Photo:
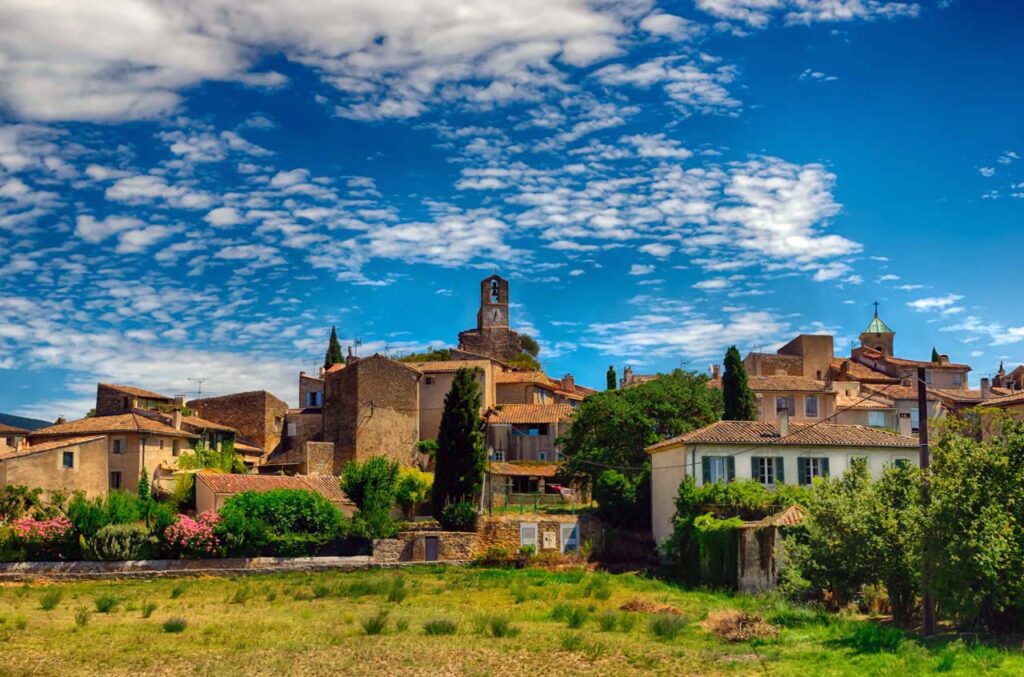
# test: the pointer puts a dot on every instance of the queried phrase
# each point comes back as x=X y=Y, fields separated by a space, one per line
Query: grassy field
x=445 y=622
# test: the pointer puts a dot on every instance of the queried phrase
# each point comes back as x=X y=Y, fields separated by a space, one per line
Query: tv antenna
x=199 y=386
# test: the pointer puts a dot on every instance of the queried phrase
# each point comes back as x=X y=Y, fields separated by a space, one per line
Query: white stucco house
x=768 y=452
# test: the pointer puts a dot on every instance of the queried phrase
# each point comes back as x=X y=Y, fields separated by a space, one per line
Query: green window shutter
x=801 y=471
x=780 y=470
x=730 y=468
x=705 y=466
x=824 y=467
x=755 y=468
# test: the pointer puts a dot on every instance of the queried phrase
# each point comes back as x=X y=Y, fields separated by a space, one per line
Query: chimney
x=568 y=383
x=943 y=359
x=986 y=389
x=179 y=402
x=783 y=423
x=176 y=419
x=627 y=375
x=716 y=371
x=350 y=358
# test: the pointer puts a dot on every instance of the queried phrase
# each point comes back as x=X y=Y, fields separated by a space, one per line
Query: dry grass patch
x=646 y=606
x=739 y=626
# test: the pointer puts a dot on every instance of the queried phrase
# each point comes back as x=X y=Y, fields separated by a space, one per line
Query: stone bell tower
x=492 y=336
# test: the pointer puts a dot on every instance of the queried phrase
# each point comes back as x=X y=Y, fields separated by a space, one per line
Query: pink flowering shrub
x=49 y=539
x=189 y=537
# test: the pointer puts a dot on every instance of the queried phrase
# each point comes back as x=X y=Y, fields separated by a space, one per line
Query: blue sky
x=202 y=194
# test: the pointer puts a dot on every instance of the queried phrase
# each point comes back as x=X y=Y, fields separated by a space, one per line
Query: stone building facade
x=437 y=382
x=68 y=465
x=371 y=408
x=118 y=399
x=258 y=416
x=492 y=336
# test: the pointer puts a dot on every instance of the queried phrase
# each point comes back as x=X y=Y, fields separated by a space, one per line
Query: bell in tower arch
x=494 y=291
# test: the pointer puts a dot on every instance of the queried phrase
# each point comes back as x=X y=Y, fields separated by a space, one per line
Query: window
x=809 y=468
x=314 y=399
x=161 y=445
x=528 y=535
x=785 y=403
x=542 y=456
x=876 y=419
x=175 y=448
x=117 y=445
x=570 y=538
x=915 y=421
x=115 y=480
x=278 y=422
x=429 y=380
x=768 y=470
x=718 y=469
x=292 y=429
x=811 y=406
x=928 y=376
x=902 y=462
x=958 y=378
x=539 y=429
x=69 y=459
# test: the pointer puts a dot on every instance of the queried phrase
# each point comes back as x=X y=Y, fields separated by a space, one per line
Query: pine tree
x=334 y=355
x=935 y=356
x=611 y=378
x=145 y=496
x=740 y=404
x=461 y=455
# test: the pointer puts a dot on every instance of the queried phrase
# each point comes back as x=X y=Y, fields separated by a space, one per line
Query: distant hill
x=22 y=422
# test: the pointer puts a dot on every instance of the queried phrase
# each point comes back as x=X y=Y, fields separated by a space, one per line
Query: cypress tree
x=461 y=454
x=610 y=377
x=740 y=404
x=333 y=355
x=935 y=356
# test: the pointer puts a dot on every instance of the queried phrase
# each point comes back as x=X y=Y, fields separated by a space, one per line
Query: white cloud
x=641 y=269
x=713 y=284
x=759 y=13
x=222 y=217
x=141 y=189
x=657 y=249
x=137 y=241
x=690 y=87
x=817 y=76
x=657 y=146
x=669 y=25
x=93 y=231
x=131 y=59
x=987 y=172
x=933 y=303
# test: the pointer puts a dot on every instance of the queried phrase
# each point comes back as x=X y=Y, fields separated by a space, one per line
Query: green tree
x=413 y=489
x=935 y=356
x=333 y=355
x=145 y=497
x=529 y=345
x=372 y=486
x=740 y=404
x=611 y=378
x=461 y=455
x=611 y=429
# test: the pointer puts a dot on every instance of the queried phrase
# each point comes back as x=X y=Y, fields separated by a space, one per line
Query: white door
x=528 y=534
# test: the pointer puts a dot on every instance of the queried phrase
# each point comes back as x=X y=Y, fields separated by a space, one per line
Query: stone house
x=11 y=438
x=437 y=382
x=311 y=390
x=67 y=464
x=802 y=399
x=807 y=355
x=213 y=489
x=527 y=432
x=119 y=399
x=631 y=379
x=371 y=408
x=768 y=453
x=258 y=416
x=506 y=482
x=133 y=442
x=536 y=387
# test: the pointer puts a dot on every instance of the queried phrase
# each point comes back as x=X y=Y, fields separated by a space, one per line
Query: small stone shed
x=760 y=552
x=213 y=489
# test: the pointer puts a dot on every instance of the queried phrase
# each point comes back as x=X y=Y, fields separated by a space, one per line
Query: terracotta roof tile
x=531 y=413
x=445 y=366
x=779 y=384
x=524 y=469
x=119 y=423
x=897 y=392
x=858 y=402
x=222 y=483
x=49 y=446
x=1005 y=400
x=534 y=377
x=859 y=372
x=137 y=392
x=11 y=430
x=758 y=433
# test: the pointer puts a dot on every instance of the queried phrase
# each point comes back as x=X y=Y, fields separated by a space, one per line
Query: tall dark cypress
x=461 y=454
x=333 y=355
x=935 y=356
x=610 y=378
x=740 y=404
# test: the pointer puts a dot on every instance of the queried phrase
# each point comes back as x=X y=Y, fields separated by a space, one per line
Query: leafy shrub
x=119 y=542
x=189 y=537
x=496 y=555
x=242 y=594
x=527 y=551
x=44 y=540
x=576 y=617
x=413 y=489
x=871 y=637
x=81 y=617
x=402 y=624
x=627 y=622
x=667 y=626
x=49 y=600
x=458 y=517
x=175 y=625
x=440 y=626
x=718 y=549
x=375 y=624
x=397 y=591
x=177 y=591
x=572 y=641
x=148 y=608
x=106 y=603
x=288 y=522
x=17 y=501
x=372 y=486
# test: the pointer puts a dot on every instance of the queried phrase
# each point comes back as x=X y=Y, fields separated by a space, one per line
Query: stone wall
x=371 y=408
x=410 y=546
x=258 y=416
x=816 y=352
x=45 y=469
x=499 y=343
x=767 y=364
x=503 y=531
x=760 y=557
x=310 y=384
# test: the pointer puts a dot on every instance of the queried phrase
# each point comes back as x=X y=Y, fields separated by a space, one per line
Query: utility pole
x=928 y=600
